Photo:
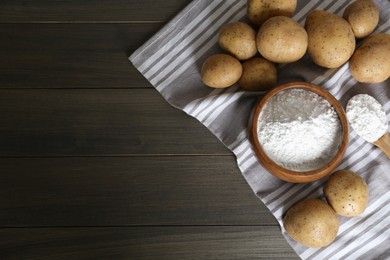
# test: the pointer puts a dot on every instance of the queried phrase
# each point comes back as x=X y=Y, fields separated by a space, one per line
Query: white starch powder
x=367 y=117
x=299 y=130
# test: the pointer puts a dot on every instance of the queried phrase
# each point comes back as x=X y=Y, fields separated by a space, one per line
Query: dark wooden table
x=94 y=163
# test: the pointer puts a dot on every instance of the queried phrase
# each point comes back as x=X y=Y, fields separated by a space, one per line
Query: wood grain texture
x=186 y=190
x=250 y=242
x=98 y=122
x=28 y=11
x=71 y=55
x=94 y=164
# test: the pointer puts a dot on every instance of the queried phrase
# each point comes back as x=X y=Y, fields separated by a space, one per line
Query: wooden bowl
x=295 y=176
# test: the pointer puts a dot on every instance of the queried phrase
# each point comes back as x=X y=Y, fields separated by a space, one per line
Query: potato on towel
x=347 y=193
x=363 y=16
x=258 y=75
x=312 y=223
x=282 y=40
x=221 y=71
x=331 y=39
x=239 y=39
x=259 y=11
x=371 y=61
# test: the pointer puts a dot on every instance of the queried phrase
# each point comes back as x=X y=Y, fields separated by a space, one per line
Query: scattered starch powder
x=299 y=130
x=367 y=117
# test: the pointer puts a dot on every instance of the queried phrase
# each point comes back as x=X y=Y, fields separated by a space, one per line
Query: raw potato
x=259 y=11
x=347 y=193
x=239 y=39
x=331 y=40
x=371 y=63
x=221 y=71
x=258 y=74
x=312 y=223
x=282 y=40
x=363 y=16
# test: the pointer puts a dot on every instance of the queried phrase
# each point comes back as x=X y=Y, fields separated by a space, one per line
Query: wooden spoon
x=384 y=143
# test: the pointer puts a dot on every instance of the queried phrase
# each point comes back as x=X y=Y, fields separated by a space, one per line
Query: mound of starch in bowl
x=299 y=130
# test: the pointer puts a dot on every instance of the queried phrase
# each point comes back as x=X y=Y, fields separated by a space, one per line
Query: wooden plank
x=250 y=242
x=89 y=11
x=119 y=191
x=75 y=122
x=71 y=55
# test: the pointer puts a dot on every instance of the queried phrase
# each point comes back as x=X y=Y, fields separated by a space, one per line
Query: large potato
x=259 y=11
x=371 y=63
x=312 y=223
x=331 y=40
x=239 y=39
x=258 y=74
x=282 y=40
x=363 y=16
x=221 y=71
x=347 y=193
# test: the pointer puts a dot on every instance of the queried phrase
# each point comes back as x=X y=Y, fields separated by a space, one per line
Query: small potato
x=239 y=39
x=347 y=193
x=370 y=63
x=312 y=223
x=331 y=40
x=258 y=74
x=282 y=40
x=221 y=71
x=259 y=11
x=363 y=16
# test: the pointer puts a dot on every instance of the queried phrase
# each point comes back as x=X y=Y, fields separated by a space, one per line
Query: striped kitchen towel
x=171 y=62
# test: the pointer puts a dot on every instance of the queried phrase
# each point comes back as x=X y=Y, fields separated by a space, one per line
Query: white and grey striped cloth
x=171 y=62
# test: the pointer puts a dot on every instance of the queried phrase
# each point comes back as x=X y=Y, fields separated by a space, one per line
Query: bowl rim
x=290 y=175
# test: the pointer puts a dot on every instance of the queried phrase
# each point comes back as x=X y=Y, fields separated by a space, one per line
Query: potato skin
x=363 y=16
x=312 y=223
x=221 y=71
x=331 y=39
x=370 y=63
x=258 y=74
x=347 y=193
x=282 y=40
x=259 y=11
x=239 y=39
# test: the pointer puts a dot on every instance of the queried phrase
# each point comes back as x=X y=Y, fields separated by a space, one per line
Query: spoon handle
x=384 y=144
